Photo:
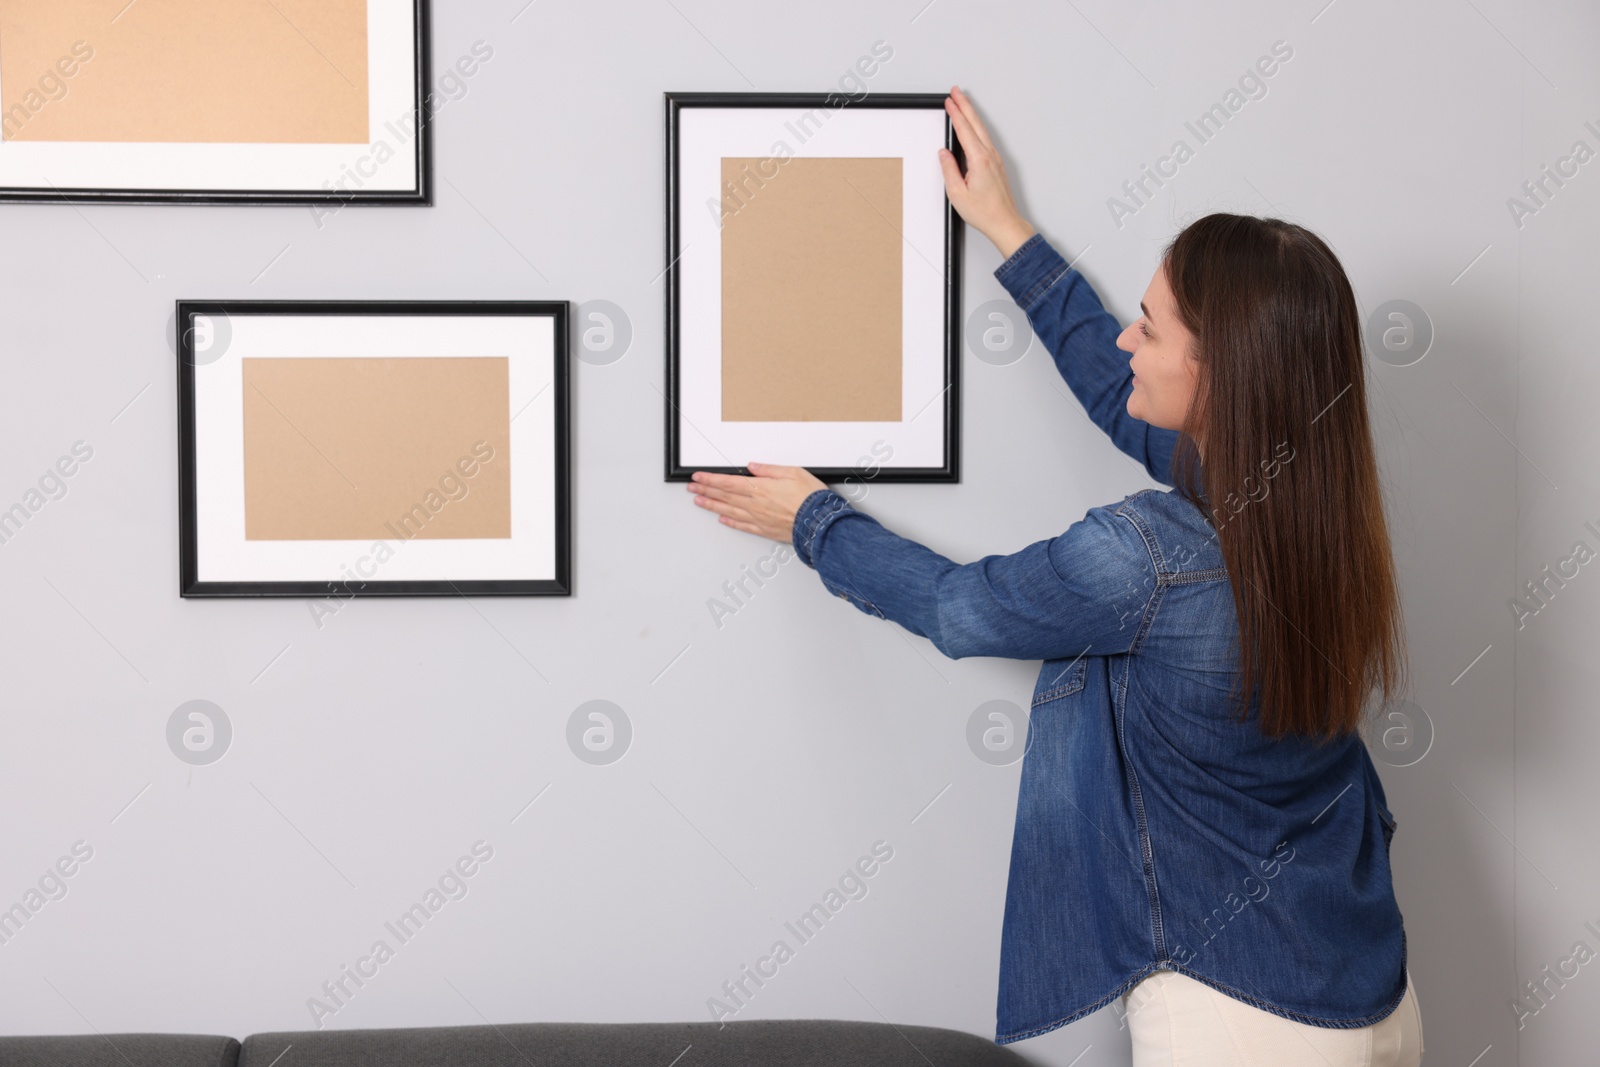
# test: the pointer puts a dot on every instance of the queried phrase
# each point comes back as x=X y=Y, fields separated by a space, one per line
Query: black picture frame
x=421 y=196
x=190 y=586
x=949 y=470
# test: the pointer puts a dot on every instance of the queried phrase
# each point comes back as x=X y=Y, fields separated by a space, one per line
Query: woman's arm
x=1063 y=308
x=1084 y=592
x=1081 y=336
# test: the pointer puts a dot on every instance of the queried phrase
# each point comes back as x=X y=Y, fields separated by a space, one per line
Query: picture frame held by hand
x=812 y=286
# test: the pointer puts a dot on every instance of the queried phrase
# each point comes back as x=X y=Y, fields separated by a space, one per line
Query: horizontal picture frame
x=813 y=286
x=194 y=101
x=373 y=448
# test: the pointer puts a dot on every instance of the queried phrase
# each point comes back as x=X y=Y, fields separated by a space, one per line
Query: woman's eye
x=1143 y=328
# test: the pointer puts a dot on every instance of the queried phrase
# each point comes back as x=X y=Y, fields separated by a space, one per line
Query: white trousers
x=1179 y=1022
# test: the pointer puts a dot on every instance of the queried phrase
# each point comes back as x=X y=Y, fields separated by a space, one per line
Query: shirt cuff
x=1032 y=269
x=817 y=512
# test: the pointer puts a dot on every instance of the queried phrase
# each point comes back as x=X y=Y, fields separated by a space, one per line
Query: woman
x=1211 y=857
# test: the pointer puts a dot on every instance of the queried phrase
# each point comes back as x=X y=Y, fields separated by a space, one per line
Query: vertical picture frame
x=813 y=286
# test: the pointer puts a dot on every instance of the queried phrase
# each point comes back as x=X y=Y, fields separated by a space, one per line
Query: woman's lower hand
x=764 y=502
x=982 y=197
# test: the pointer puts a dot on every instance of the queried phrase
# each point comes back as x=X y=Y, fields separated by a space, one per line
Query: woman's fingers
x=732 y=513
x=970 y=113
x=978 y=193
x=774 y=470
x=722 y=483
x=728 y=494
x=954 y=183
x=719 y=497
x=721 y=503
x=970 y=141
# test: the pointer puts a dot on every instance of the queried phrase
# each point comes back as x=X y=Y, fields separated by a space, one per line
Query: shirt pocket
x=1060 y=678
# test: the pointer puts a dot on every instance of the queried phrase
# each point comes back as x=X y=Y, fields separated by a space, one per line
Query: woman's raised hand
x=983 y=196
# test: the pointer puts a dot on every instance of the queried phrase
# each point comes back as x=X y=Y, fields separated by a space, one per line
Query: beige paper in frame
x=706 y=136
x=811 y=289
x=365 y=448
x=190 y=71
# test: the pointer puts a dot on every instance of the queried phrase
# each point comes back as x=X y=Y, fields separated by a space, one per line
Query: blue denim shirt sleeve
x=1085 y=591
x=1081 y=335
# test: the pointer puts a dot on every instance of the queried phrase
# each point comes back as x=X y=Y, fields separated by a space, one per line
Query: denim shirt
x=1153 y=830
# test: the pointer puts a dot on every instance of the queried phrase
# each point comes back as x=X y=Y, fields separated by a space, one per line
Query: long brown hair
x=1289 y=478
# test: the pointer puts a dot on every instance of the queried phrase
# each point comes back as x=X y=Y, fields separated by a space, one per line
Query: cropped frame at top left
x=186 y=101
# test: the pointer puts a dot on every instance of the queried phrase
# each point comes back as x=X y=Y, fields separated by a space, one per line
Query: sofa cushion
x=119 y=1050
x=763 y=1042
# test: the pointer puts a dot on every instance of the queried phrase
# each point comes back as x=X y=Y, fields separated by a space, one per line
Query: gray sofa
x=771 y=1043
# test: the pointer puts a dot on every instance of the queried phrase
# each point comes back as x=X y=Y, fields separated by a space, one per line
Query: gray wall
x=771 y=752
